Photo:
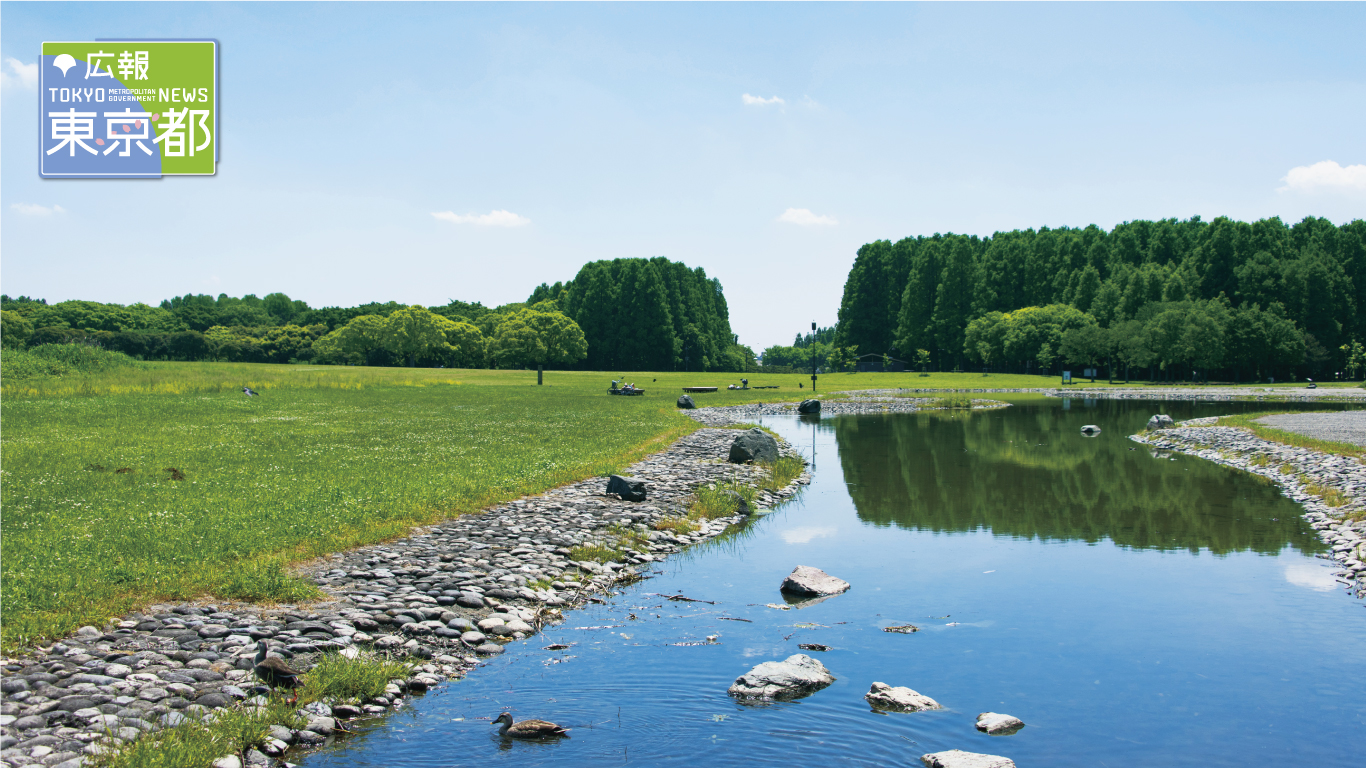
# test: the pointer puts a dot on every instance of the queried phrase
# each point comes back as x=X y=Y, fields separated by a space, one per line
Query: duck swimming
x=527 y=729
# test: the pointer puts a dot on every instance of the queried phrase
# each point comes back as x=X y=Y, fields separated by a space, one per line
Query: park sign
x=128 y=109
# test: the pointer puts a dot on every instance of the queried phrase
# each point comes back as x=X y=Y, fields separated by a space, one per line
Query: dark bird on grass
x=527 y=729
x=249 y=393
x=273 y=671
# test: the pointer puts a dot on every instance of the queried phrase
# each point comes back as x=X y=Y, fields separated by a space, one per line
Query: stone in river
x=686 y=402
x=805 y=580
x=957 y=758
x=794 y=677
x=1160 y=421
x=1090 y=430
x=628 y=488
x=754 y=445
x=998 y=724
x=489 y=649
x=898 y=699
x=809 y=406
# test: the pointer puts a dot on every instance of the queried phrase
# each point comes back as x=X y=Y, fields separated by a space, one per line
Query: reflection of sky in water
x=805 y=534
x=1316 y=577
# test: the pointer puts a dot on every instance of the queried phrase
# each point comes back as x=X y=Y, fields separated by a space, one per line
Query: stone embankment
x=1216 y=394
x=871 y=401
x=442 y=598
x=1080 y=390
x=1331 y=488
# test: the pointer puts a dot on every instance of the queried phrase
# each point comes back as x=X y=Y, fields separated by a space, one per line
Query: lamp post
x=813 y=357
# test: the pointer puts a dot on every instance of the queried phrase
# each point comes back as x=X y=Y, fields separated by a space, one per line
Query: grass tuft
x=267 y=581
x=595 y=552
x=337 y=678
x=200 y=740
x=951 y=402
x=1330 y=495
x=783 y=471
x=675 y=525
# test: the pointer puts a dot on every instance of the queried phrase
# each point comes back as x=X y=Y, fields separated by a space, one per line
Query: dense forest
x=1175 y=299
x=650 y=315
x=628 y=314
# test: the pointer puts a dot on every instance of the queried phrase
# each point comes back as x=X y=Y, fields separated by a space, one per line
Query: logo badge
x=128 y=109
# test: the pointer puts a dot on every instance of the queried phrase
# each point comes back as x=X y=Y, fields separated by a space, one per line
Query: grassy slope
x=327 y=458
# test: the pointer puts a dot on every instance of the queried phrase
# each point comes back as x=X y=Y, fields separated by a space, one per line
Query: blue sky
x=548 y=135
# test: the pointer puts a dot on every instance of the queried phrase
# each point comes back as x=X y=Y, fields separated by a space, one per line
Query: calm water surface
x=1132 y=609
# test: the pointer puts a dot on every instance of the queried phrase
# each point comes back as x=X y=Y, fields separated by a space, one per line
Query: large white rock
x=957 y=758
x=900 y=698
x=998 y=724
x=796 y=676
x=805 y=580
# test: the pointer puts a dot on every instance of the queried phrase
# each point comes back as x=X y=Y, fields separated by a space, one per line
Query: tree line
x=1224 y=298
x=649 y=315
x=627 y=314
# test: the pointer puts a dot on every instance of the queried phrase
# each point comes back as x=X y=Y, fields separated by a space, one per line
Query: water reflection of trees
x=1028 y=472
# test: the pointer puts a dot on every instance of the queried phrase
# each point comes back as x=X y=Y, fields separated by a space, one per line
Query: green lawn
x=325 y=459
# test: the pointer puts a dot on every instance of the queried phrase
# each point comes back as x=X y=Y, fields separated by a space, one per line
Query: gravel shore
x=1344 y=427
x=1331 y=488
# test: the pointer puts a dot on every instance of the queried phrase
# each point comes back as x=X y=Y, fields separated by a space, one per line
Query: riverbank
x=1331 y=488
x=442 y=597
x=1123 y=392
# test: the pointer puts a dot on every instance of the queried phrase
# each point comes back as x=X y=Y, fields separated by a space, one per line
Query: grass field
x=164 y=481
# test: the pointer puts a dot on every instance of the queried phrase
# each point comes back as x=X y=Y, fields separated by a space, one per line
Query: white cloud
x=805 y=218
x=19 y=74
x=1314 y=577
x=760 y=100
x=31 y=209
x=1326 y=176
x=491 y=219
x=805 y=534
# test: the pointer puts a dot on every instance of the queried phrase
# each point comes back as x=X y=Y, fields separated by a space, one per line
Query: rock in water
x=805 y=580
x=754 y=445
x=899 y=699
x=809 y=406
x=796 y=676
x=957 y=758
x=1160 y=421
x=686 y=402
x=628 y=488
x=1090 y=430
x=997 y=724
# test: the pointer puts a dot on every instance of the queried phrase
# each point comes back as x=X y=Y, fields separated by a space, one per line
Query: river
x=1133 y=609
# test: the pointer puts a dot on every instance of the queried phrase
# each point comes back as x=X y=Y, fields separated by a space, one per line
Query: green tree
x=412 y=332
x=14 y=329
x=1086 y=345
x=529 y=338
x=1355 y=355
